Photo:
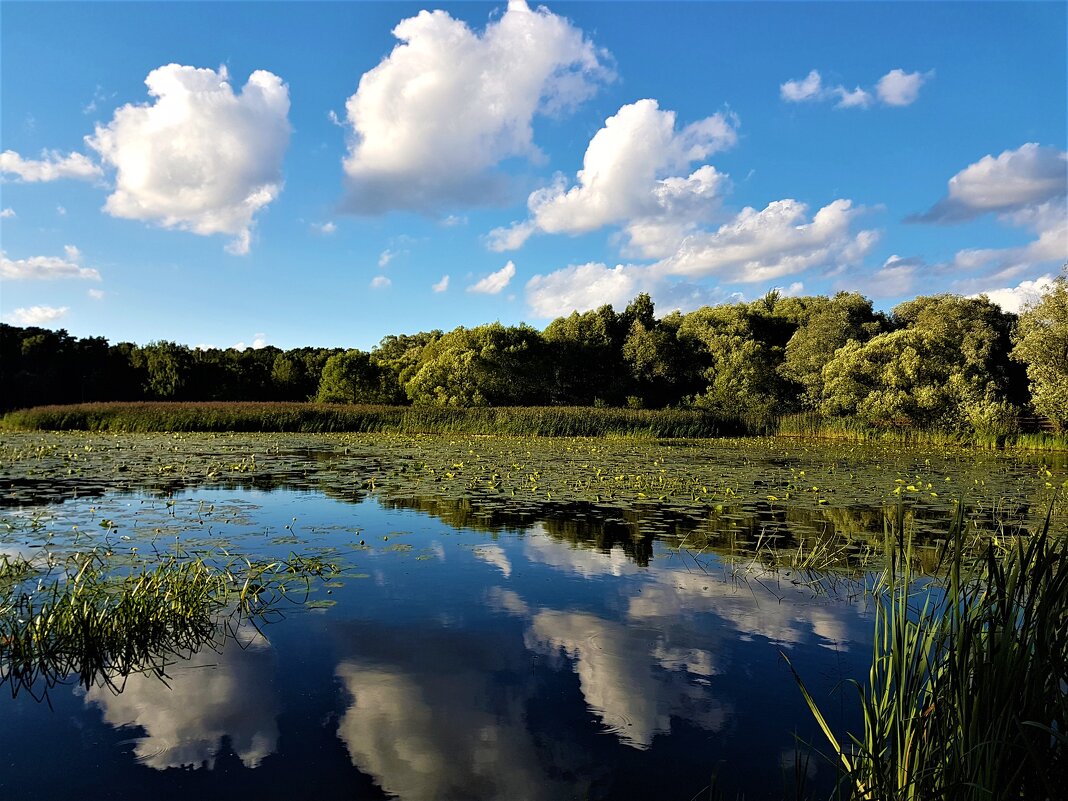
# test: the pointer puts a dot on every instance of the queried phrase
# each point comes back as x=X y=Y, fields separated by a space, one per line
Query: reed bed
x=967 y=697
x=90 y=618
x=550 y=421
x=814 y=426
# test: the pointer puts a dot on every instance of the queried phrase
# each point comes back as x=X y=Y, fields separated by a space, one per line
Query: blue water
x=454 y=664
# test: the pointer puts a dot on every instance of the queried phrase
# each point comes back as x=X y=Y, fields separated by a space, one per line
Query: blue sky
x=309 y=173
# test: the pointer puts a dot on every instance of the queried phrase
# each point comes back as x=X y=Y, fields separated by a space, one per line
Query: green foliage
x=1041 y=343
x=965 y=698
x=315 y=417
x=491 y=365
x=936 y=362
x=354 y=377
x=948 y=356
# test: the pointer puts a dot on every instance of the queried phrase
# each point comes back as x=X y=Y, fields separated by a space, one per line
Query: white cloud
x=61 y=211
x=448 y=104
x=493 y=283
x=37 y=315
x=198 y=158
x=1013 y=181
x=798 y=91
x=385 y=257
x=441 y=285
x=7 y=213
x=755 y=246
x=96 y=294
x=626 y=173
x=582 y=287
x=45 y=268
x=52 y=166
x=380 y=282
x=510 y=237
x=1013 y=299
x=626 y=178
x=772 y=243
x=259 y=340
x=893 y=280
x=900 y=88
x=896 y=88
x=453 y=220
x=858 y=98
x=325 y=228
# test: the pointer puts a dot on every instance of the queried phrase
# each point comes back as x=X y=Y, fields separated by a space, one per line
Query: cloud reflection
x=212 y=696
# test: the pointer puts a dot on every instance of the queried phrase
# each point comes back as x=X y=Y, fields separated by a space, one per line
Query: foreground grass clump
x=967 y=697
x=324 y=417
x=100 y=623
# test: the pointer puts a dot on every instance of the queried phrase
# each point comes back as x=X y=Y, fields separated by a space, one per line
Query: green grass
x=322 y=417
x=846 y=429
x=966 y=698
x=91 y=617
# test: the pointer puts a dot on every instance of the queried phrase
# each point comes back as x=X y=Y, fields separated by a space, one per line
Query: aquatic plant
x=95 y=619
x=966 y=697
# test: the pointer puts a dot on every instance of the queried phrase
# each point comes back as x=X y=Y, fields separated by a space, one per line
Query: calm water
x=453 y=664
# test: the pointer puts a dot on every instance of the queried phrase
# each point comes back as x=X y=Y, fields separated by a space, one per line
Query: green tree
x=354 y=377
x=826 y=325
x=1041 y=343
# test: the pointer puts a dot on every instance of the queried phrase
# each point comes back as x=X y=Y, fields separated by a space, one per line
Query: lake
x=504 y=624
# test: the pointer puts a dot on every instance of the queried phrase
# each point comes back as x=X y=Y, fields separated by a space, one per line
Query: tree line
x=941 y=361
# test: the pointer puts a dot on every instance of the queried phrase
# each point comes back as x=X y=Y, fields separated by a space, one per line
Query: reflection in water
x=495 y=555
x=623 y=677
x=577 y=559
x=758 y=603
x=212 y=696
x=431 y=718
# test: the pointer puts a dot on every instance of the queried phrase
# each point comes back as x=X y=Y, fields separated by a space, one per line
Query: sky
x=329 y=173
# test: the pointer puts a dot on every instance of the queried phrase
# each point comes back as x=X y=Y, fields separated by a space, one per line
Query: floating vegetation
x=92 y=617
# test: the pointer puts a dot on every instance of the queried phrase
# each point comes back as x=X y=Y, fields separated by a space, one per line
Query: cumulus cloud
x=1011 y=182
x=96 y=294
x=385 y=257
x=900 y=88
x=627 y=178
x=52 y=166
x=494 y=283
x=581 y=287
x=7 y=213
x=772 y=243
x=381 y=282
x=1026 y=188
x=441 y=285
x=432 y=120
x=198 y=158
x=1014 y=298
x=896 y=88
x=325 y=228
x=37 y=315
x=755 y=246
x=46 y=268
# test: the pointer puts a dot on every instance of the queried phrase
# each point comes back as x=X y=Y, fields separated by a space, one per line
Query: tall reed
x=966 y=697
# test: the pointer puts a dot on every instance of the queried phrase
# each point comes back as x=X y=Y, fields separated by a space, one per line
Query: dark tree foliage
x=941 y=360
